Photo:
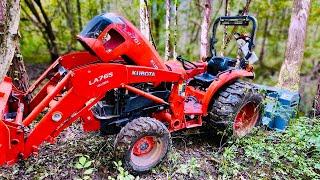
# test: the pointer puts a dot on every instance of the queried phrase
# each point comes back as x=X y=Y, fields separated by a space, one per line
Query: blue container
x=281 y=106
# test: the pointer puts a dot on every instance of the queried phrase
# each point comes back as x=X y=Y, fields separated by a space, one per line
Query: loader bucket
x=4 y=142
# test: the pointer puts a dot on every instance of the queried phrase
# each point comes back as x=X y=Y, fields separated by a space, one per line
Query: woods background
x=48 y=29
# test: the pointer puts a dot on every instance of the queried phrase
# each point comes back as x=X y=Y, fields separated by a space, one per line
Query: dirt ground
x=190 y=158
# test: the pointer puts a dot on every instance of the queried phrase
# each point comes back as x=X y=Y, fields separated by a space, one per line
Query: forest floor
x=195 y=154
x=190 y=157
x=264 y=154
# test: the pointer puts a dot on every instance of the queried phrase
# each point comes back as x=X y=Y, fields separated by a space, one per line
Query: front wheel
x=142 y=144
x=236 y=109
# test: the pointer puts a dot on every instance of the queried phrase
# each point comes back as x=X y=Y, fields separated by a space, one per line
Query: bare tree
x=183 y=23
x=17 y=71
x=79 y=15
x=10 y=56
x=42 y=21
x=316 y=104
x=66 y=7
x=9 y=17
x=156 y=21
x=264 y=41
x=167 y=28
x=144 y=19
x=175 y=38
x=308 y=88
x=205 y=29
x=2 y=17
x=102 y=6
x=289 y=77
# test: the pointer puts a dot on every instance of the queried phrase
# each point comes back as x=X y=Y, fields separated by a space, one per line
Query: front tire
x=142 y=144
x=236 y=109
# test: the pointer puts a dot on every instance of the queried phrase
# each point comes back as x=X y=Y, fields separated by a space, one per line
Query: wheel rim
x=246 y=119
x=143 y=146
x=147 y=151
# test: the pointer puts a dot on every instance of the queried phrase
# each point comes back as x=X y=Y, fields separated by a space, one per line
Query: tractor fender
x=222 y=80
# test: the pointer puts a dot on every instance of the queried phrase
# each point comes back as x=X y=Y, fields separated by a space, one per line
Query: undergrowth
x=293 y=154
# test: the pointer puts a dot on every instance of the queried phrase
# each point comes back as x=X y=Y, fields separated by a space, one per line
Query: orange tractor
x=120 y=85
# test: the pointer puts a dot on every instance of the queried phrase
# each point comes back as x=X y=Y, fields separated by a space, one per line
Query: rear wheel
x=142 y=144
x=236 y=109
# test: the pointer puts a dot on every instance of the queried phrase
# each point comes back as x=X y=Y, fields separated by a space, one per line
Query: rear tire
x=142 y=144
x=236 y=109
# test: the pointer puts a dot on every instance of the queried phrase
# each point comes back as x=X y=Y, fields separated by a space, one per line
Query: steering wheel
x=187 y=65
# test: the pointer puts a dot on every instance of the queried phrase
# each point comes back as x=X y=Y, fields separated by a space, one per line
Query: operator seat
x=215 y=66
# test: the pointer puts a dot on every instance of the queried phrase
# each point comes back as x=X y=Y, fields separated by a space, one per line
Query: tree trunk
x=225 y=29
x=264 y=41
x=184 y=25
x=70 y=20
x=2 y=17
x=205 y=29
x=156 y=21
x=175 y=26
x=68 y=12
x=79 y=15
x=11 y=59
x=42 y=21
x=102 y=10
x=144 y=19
x=18 y=73
x=167 y=28
x=9 y=18
x=316 y=104
x=49 y=30
x=289 y=77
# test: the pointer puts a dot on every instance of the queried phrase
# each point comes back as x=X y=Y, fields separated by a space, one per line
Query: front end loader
x=120 y=85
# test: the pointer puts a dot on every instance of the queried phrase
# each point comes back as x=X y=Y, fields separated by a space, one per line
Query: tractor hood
x=91 y=36
x=98 y=24
x=112 y=37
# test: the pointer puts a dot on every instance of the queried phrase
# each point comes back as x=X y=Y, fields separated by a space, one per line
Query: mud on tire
x=142 y=144
x=236 y=103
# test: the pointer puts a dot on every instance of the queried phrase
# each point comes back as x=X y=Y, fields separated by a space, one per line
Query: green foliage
x=123 y=174
x=84 y=164
x=191 y=168
x=178 y=167
x=266 y=154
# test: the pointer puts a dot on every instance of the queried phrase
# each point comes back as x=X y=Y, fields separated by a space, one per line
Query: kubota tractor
x=120 y=85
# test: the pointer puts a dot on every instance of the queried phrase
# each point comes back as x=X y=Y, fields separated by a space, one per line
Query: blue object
x=281 y=106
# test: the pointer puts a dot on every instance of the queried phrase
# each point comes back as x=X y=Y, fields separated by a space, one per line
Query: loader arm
x=71 y=97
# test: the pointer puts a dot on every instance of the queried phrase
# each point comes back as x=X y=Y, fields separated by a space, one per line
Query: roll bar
x=233 y=21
